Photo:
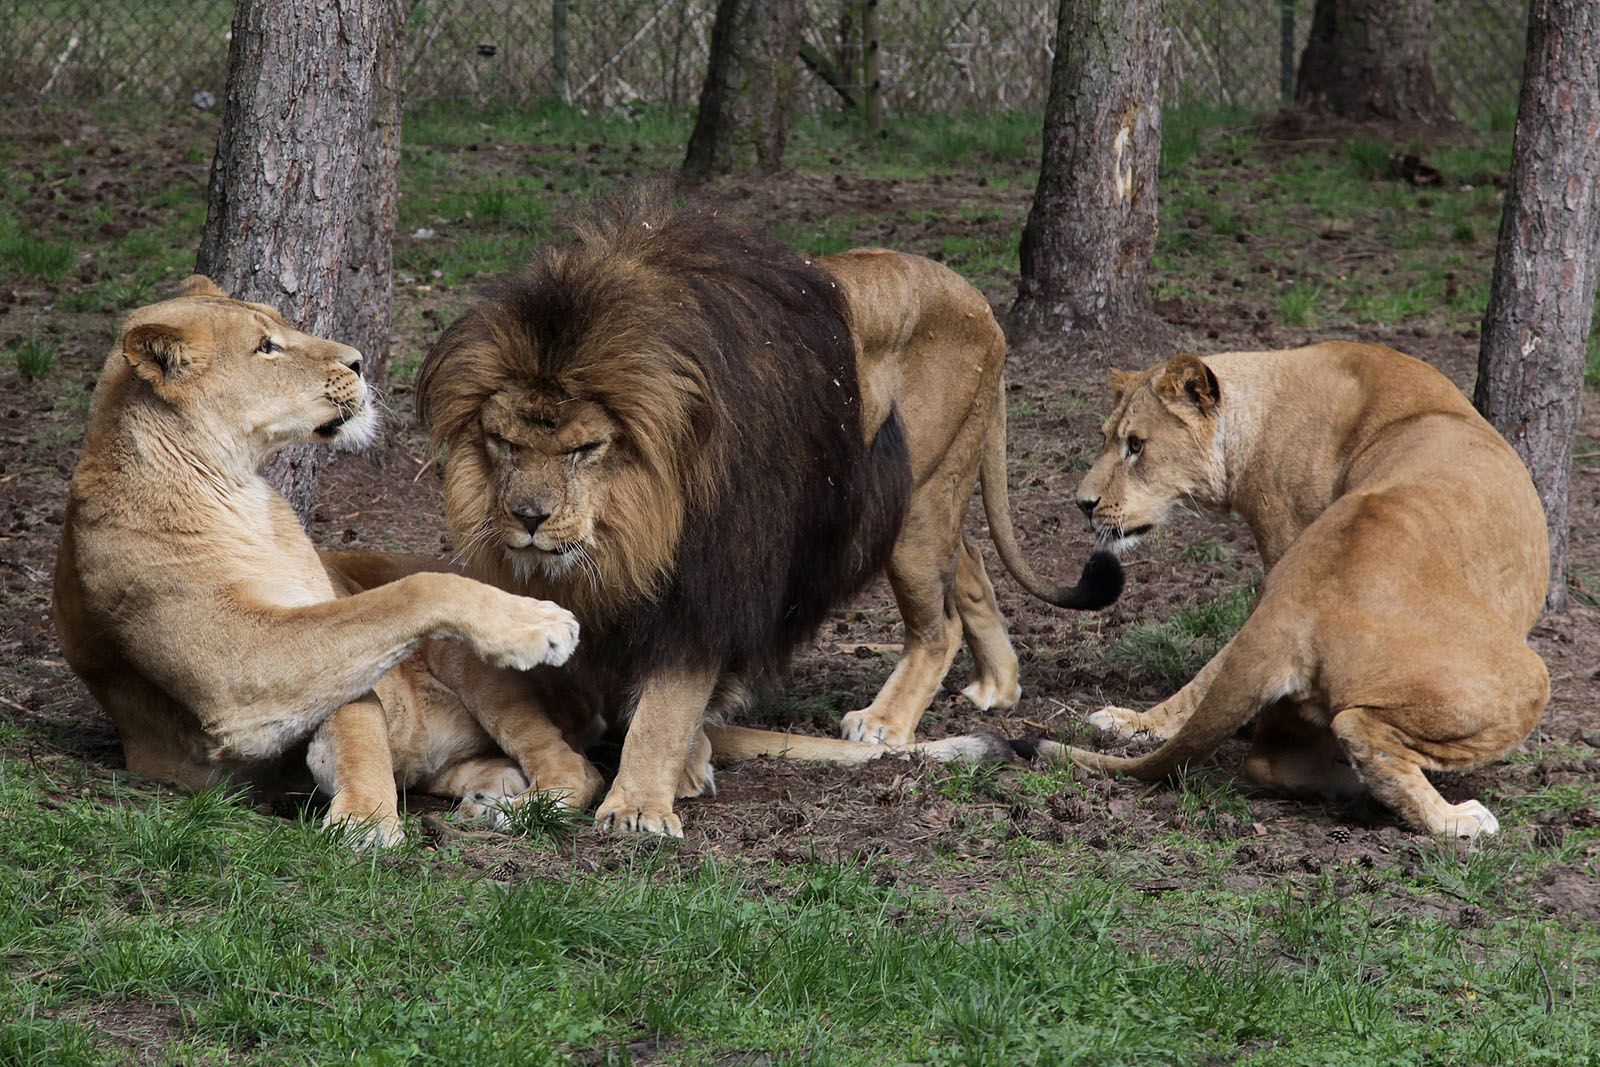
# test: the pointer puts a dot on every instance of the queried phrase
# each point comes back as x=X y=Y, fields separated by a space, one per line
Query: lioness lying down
x=196 y=610
x=1406 y=559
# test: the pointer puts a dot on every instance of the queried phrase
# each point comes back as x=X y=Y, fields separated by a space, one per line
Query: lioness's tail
x=1240 y=685
x=739 y=742
x=1101 y=581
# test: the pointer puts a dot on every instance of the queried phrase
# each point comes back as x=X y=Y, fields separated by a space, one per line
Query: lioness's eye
x=268 y=346
x=1135 y=445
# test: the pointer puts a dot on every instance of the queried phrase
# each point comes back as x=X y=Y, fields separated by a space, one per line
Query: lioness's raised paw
x=623 y=815
x=868 y=728
x=532 y=632
x=1128 y=724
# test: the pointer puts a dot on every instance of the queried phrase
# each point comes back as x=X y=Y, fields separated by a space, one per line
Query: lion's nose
x=1088 y=506
x=531 y=516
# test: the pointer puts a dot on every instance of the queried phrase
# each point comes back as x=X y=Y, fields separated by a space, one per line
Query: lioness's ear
x=1120 y=381
x=163 y=354
x=200 y=285
x=1187 y=378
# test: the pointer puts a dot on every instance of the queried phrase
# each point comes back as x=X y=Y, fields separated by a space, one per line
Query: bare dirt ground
x=769 y=813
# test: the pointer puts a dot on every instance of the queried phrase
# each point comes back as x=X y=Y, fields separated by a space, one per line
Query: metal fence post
x=558 y=50
x=870 y=54
x=1286 y=52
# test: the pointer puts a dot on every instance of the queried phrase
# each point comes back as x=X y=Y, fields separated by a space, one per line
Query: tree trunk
x=1367 y=60
x=1090 y=234
x=1541 y=300
x=301 y=207
x=743 y=119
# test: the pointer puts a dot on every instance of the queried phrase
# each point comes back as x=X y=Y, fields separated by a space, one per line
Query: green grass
x=1175 y=648
x=34 y=357
x=235 y=936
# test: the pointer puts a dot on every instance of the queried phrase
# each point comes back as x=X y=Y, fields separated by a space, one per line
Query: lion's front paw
x=1467 y=820
x=533 y=632
x=1128 y=724
x=869 y=728
x=623 y=814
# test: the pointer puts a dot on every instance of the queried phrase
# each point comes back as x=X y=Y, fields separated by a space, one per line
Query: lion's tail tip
x=1036 y=748
x=1099 y=586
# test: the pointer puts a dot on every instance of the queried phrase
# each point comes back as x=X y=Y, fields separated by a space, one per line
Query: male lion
x=196 y=610
x=1406 y=557
x=700 y=444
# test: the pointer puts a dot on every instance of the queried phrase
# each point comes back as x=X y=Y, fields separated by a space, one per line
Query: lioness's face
x=1159 y=452
x=234 y=364
x=549 y=465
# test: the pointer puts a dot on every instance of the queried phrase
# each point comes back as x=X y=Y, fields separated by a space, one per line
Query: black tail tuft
x=1098 y=587
x=1025 y=747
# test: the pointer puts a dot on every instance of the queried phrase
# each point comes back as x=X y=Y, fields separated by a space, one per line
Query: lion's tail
x=740 y=742
x=1101 y=581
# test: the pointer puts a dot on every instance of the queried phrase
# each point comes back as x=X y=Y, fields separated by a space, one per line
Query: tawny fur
x=1406 y=555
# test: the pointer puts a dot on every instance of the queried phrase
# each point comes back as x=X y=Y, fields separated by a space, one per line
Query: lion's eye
x=500 y=445
x=268 y=346
x=1135 y=445
x=585 y=451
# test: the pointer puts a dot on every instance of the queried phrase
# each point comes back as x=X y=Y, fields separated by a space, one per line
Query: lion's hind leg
x=994 y=660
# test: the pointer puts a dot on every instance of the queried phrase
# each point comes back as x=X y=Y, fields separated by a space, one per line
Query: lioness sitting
x=1406 y=557
x=702 y=444
x=196 y=610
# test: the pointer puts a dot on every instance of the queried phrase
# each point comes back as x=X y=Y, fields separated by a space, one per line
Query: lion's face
x=1161 y=450
x=549 y=467
x=231 y=363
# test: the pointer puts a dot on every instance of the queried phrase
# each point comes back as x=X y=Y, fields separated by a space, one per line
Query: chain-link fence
x=971 y=56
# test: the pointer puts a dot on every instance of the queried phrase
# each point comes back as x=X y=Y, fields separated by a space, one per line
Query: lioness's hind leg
x=1392 y=770
x=994 y=662
x=1295 y=752
x=483 y=784
x=923 y=580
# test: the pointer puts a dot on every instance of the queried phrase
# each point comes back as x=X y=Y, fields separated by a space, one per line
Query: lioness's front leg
x=1162 y=721
x=665 y=722
x=278 y=673
x=350 y=760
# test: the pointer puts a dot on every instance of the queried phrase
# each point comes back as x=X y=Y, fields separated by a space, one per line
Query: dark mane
x=728 y=361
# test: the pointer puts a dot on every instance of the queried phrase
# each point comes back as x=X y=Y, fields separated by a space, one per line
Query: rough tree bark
x=743 y=119
x=1090 y=234
x=1367 y=60
x=1541 y=299
x=301 y=208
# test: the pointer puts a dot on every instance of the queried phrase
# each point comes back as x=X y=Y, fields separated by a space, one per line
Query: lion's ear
x=1119 y=380
x=200 y=285
x=1187 y=379
x=165 y=353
